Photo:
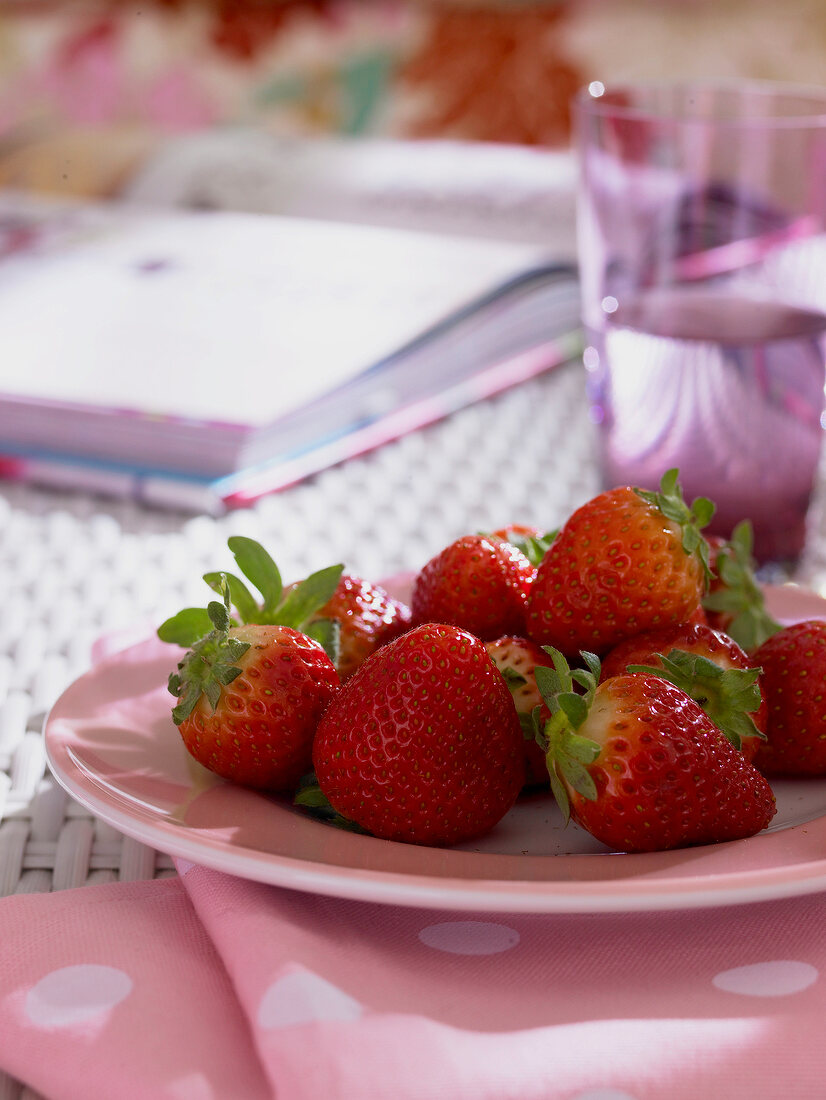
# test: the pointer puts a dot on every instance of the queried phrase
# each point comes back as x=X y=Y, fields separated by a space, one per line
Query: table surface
x=74 y=568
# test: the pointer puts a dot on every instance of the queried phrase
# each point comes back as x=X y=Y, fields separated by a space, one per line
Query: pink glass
x=702 y=244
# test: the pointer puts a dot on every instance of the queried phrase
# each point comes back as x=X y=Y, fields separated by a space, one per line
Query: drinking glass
x=701 y=225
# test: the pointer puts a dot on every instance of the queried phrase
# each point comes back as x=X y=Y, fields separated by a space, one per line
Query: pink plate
x=112 y=744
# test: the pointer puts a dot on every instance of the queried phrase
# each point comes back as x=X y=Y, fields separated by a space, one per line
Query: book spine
x=178 y=494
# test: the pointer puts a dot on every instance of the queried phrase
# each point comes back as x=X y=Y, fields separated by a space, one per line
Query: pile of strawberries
x=625 y=662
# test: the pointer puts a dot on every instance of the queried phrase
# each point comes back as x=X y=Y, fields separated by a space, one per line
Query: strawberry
x=707 y=665
x=367 y=618
x=734 y=602
x=422 y=744
x=516 y=658
x=626 y=561
x=250 y=698
x=477 y=583
x=639 y=765
x=794 y=685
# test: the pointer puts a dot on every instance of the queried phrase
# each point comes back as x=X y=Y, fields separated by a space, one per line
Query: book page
x=224 y=317
x=477 y=189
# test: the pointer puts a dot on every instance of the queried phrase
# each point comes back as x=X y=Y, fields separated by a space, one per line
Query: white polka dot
x=75 y=994
x=767 y=979
x=603 y=1094
x=302 y=997
x=469 y=937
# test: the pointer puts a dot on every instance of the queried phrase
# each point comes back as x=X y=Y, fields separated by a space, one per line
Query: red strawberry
x=734 y=602
x=477 y=583
x=794 y=686
x=638 y=764
x=422 y=744
x=249 y=700
x=625 y=562
x=368 y=618
x=701 y=667
x=517 y=658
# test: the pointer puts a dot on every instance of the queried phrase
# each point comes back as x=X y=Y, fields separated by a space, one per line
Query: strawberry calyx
x=311 y=798
x=516 y=680
x=209 y=665
x=512 y=677
x=294 y=608
x=567 y=753
x=739 y=595
x=728 y=696
x=690 y=519
x=533 y=546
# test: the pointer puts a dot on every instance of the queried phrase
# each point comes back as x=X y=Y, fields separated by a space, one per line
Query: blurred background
x=89 y=89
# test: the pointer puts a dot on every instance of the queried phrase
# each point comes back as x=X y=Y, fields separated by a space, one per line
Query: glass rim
x=595 y=99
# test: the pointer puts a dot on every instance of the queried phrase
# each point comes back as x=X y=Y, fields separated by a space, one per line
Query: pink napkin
x=207 y=987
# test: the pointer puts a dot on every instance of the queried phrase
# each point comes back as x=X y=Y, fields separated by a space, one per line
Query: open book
x=202 y=359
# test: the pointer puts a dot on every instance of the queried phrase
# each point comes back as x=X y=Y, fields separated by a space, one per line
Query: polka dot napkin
x=207 y=987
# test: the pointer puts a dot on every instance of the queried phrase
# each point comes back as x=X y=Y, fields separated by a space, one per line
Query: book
x=200 y=359
x=477 y=189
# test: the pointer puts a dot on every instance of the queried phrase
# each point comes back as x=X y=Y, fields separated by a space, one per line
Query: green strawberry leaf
x=740 y=596
x=550 y=685
x=259 y=568
x=558 y=789
x=728 y=696
x=537 y=546
x=311 y=798
x=297 y=609
x=327 y=632
x=187 y=696
x=703 y=510
x=528 y=725
x=186 y=627
x=309 y=596
x=219 y=613
x=577 y=776
x=669 y=500
x=511 y=677
x=581 y=748
x=574 y=706
x=538 y=727
x=212 y=688
x=592 y=663
x=310 y=794
x=534 y=547
x=560 y=664
x=566 y=752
